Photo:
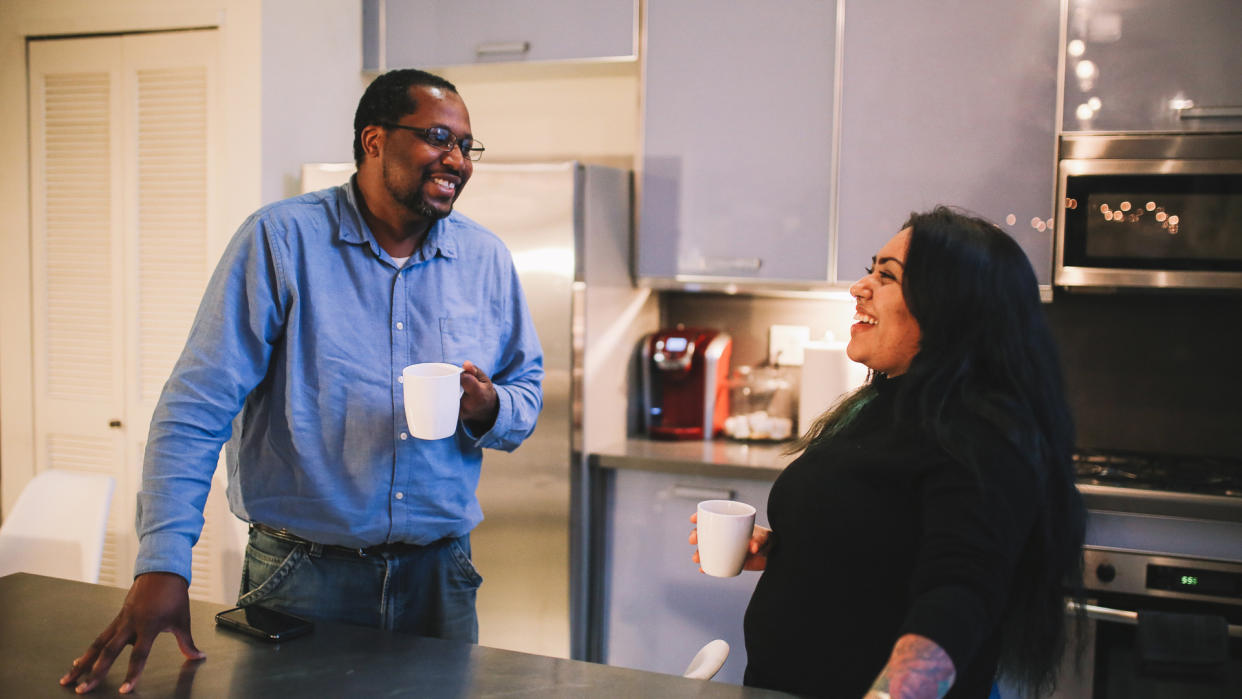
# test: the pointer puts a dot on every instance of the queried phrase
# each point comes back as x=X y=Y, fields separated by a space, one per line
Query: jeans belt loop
x=316 y=550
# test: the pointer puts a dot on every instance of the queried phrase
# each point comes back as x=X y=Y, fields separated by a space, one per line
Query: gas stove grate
x=1168 y=472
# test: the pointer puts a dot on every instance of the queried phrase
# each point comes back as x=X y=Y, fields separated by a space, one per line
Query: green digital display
x=1196 y=581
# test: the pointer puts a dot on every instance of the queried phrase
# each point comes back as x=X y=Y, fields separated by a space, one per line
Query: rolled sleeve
x=164 y=552
x=515 y=419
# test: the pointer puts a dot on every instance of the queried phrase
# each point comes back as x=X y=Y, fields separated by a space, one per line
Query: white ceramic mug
x=724 y=529
x=432 y=399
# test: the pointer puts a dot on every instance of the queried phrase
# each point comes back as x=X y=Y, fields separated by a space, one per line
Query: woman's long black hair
x=987 y=357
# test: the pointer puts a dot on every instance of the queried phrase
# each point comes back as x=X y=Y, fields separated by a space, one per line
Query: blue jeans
x=428 y=590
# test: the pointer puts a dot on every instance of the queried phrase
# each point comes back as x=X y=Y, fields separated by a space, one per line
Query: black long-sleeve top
x=879 y=533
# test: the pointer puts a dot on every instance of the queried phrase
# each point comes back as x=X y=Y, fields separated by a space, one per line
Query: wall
x=521 y=112
x=747 y=318
x=238 y=23
x=296 y=107
x=1153 y=372
x=312 y=79
x=549 y=112
x=1143 y=372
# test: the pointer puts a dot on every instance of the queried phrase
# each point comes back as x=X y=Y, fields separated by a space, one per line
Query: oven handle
x=1123 y=616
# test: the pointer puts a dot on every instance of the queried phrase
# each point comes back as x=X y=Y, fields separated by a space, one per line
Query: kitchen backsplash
x=1143 y=372
x=747 y=318
x=1158 y=372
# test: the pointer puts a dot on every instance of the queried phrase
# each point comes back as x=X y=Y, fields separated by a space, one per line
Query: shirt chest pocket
x=461 y=339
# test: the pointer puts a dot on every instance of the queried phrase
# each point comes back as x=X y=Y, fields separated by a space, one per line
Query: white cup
x=724 y=529
x=432 y=399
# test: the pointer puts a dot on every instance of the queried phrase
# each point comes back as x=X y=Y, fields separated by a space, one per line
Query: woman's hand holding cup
x=755 y=556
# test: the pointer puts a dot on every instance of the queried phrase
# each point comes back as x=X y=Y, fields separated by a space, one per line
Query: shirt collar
x=354 y=228
x=440 y=240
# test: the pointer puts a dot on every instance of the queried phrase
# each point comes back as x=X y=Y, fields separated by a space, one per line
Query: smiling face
x=885 y=336
x=418 y=176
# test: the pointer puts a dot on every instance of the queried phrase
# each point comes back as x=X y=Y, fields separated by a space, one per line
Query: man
x=316 y=306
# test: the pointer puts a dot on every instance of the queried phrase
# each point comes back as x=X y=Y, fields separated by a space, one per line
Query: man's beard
x=412 y=199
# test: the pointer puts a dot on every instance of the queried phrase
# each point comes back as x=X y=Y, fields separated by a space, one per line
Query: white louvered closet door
x=79 y=293
x=123 y=137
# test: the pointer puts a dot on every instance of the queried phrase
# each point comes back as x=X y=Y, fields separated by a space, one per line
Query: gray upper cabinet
x=737 y=140
x=951 y=103
x=420 y=33
x=1153 y=65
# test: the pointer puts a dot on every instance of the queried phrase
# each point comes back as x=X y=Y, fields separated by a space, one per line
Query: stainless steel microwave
x=1158 y=211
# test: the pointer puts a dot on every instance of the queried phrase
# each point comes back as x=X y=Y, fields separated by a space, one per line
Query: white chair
x=707 y=661
x=57 y=526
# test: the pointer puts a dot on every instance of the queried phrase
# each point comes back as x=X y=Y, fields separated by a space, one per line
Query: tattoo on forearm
x=917 y=669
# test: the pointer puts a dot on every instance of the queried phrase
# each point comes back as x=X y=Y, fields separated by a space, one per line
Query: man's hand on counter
x=157 y=602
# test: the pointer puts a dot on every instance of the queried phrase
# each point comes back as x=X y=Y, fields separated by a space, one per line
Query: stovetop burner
x=1168 y=472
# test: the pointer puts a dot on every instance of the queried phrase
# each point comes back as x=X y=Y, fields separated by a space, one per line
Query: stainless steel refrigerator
x=568 y=226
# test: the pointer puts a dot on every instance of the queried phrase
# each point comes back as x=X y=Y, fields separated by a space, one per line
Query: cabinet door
x=951 y=103
x=658 y=608
x=422 y=33
x=737 y=139
x=1153 y=65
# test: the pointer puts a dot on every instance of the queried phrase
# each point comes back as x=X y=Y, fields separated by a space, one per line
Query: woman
x=921 y=544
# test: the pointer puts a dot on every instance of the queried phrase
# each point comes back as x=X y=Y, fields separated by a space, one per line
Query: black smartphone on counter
x=264 y=623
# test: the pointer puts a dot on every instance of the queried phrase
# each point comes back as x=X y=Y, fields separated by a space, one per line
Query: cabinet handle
x=732 y=264
x=1210 y=113
x=114 y=424
x=697 y=494
x=501 y=48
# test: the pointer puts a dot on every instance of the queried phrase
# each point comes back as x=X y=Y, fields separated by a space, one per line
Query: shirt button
x=400 y=496
x=400 y=325
x=401 y=379
x=403 y=435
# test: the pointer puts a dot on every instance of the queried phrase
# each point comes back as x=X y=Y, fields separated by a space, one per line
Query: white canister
x=827 y=374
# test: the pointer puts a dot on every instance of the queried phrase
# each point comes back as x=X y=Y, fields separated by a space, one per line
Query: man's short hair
x=388 y=98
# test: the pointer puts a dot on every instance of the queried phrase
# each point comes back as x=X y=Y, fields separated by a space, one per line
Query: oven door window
x=1189 y=222
x=1121 y=671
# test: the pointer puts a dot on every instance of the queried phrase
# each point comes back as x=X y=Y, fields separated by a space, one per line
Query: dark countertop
x=727 y=458
x=724 y=458
x=47 y=622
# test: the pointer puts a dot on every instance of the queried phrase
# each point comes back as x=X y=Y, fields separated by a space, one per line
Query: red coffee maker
x=685 y=387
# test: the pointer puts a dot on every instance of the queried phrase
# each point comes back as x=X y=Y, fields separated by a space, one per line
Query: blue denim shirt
x=302 y=334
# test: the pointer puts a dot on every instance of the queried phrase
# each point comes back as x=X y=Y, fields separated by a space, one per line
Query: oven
x=1158 y=627
x=1162 y=579
x=1150 y=211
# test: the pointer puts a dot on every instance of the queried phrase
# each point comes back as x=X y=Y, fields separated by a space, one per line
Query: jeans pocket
x=464 y=565
x=263 y=572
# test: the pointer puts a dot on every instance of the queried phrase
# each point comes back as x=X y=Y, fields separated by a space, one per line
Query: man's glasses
x=445 y=140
